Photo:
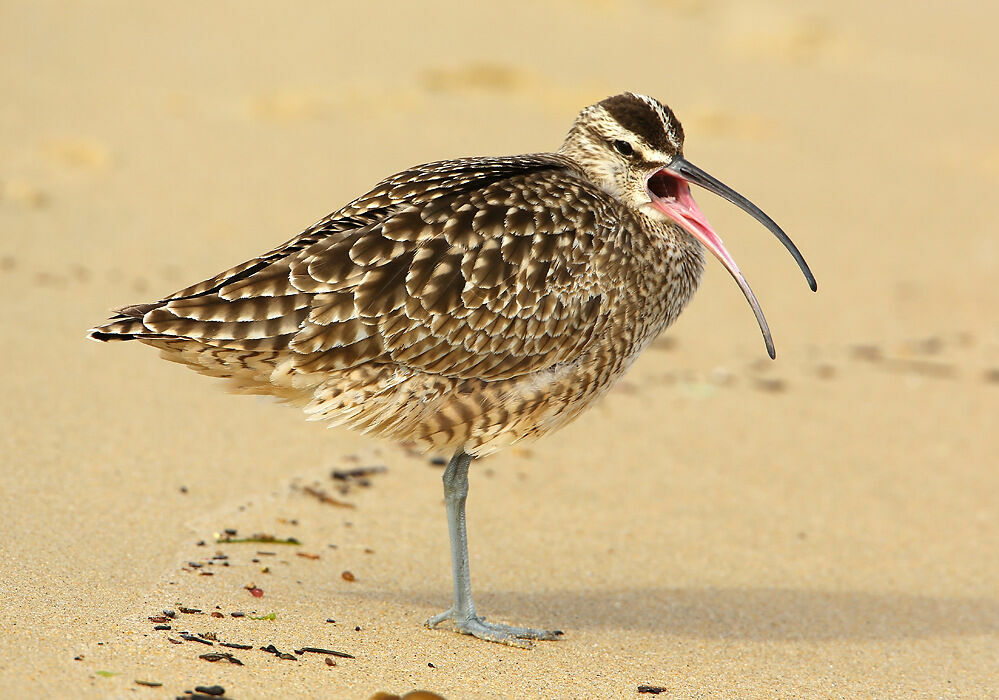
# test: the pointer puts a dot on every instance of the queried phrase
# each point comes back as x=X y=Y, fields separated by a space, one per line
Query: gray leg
x=462 y=612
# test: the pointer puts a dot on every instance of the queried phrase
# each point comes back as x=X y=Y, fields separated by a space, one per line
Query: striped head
x=621 y=141
x=631 y=146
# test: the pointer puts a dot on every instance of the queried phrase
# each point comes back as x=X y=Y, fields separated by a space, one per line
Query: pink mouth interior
x=671 y=195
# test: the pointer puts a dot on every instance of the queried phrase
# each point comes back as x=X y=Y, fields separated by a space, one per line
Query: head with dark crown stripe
x=631 y=146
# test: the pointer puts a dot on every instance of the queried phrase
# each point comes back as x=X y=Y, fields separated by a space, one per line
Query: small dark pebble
x=159 y=619
x=651 y=689
x=216 y=613
x=221 y=656
x=233 y=645
x=189 y=611
x=431 y=666
x=229 y=531
x=438 y=461
x=149 y=684
x=205 y=573
x=162 y=627
x=183 y=489
x=331 y=620
x=78 y=658
x=201 y=543
x=194 y=565
x=210 y=636
x=331 y=652
x=174 y=641
x=330 y=662
x=170 y=613
x=209 y=689
x=357 y=629
x=238 y=614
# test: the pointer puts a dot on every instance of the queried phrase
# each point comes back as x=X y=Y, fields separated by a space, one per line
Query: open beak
x=670 y=192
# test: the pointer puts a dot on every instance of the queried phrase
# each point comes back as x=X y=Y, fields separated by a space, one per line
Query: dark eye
x=624 y=148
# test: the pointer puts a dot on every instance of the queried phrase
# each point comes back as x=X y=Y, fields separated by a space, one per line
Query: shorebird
x=467 y=304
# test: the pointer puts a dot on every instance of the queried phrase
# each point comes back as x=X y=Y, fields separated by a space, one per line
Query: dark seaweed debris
x=348 y=478
x=319 y=650
x=221 y=656
x=271 y=649
x=258 y=537
x=359 y=473
x=324 y=497
x=188 y=637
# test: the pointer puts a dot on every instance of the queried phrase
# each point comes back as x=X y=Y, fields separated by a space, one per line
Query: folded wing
x=476 y=268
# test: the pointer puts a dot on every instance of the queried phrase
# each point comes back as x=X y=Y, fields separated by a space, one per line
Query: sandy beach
x=720 y=525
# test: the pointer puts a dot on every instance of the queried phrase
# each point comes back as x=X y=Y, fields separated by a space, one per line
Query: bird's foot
x=494 y=632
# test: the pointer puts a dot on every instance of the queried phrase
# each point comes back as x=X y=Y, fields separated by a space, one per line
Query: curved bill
x=691 y=173
x=670 y=194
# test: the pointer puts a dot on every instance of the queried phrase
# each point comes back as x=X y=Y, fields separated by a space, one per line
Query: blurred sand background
x=825 y=525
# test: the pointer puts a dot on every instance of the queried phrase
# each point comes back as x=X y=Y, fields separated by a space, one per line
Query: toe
x=437 y=619
x=506 y=634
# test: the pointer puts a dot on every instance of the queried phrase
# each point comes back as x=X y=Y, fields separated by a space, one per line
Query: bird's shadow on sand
x=763 y=614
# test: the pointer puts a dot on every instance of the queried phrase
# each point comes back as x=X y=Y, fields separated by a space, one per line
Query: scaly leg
x=462 y=612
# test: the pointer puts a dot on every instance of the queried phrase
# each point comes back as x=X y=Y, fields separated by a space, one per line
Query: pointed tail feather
x=126 y=324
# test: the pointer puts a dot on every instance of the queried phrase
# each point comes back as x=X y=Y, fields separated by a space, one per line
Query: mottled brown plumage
x=462 y=305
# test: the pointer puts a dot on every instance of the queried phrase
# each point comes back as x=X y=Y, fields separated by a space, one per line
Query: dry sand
x=825 y=525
